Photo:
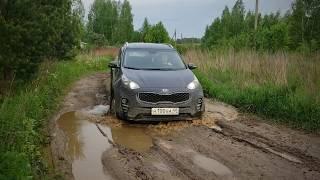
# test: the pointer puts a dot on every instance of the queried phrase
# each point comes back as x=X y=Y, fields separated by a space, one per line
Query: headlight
x=129 y=83
x=194 y=84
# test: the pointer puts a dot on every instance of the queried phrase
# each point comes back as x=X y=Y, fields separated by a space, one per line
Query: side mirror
x=192 y=66
x=114 y=64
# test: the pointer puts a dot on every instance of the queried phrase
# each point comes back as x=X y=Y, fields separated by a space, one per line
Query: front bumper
x=137 y=110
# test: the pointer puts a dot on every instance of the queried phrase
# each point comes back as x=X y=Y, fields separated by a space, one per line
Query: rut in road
x=226 y=144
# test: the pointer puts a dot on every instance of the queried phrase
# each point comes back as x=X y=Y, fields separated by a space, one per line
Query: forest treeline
x=110 y=22
x=33 y=31
x=297 y=29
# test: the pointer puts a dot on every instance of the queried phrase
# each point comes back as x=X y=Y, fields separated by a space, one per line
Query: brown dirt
x=84 y=93
x=226 y=144
x=110 y=51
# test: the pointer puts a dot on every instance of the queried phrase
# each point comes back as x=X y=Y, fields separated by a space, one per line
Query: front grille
x=154 y=98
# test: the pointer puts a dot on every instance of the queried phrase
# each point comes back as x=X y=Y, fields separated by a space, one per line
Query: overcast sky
x=190 y=17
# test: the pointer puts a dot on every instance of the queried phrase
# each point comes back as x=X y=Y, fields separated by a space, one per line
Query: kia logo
x=165 y=90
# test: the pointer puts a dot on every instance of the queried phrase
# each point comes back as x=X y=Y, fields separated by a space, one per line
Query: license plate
x=164 y=111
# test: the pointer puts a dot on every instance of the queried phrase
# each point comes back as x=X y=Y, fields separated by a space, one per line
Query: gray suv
x=150 y=82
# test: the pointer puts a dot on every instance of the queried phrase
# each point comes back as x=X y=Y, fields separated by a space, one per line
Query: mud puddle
x=132 y=137
x=212 y=165
x=84 y=145
x=88 y=138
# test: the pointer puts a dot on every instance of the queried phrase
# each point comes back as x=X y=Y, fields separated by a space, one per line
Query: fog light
x=124 y=101
x=199 y=105
x=124 y=105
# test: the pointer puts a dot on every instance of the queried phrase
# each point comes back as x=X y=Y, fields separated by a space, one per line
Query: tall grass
x=284 y=86
x=23 y=115
x=102 y=51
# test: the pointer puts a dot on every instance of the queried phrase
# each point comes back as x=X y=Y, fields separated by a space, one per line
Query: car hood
x=160 y=79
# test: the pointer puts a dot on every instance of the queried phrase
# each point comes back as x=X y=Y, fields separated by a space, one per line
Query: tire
x=112 y=109
x=120 y=116
x=112 y=100
x=201 y=116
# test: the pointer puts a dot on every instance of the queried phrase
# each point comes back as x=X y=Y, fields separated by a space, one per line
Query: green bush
x=157 y=34
x=14 y=166
x=24 y=115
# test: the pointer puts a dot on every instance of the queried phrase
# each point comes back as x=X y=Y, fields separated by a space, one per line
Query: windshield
x=153 y=59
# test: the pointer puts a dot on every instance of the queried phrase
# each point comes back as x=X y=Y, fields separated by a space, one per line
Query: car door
x=115 y=79
x=116 y=76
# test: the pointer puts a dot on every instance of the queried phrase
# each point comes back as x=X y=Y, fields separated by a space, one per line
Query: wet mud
x=84 y=145
x=225 y=144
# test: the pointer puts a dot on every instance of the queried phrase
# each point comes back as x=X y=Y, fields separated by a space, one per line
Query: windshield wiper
x=154 y=69
x=162 y=69
x=132 y=68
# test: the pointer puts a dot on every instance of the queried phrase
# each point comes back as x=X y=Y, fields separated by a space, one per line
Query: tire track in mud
x=133 y=164
x=192 y=163
x=201 y=144
x=124 y=163
x=248 y=161
x=260 y=142
x=155 y=163
x=218 y=147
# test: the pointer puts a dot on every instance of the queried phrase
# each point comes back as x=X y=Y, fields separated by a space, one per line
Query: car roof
x=148 y=46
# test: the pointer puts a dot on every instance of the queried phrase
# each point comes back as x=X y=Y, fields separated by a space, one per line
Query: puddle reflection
x=84 y=145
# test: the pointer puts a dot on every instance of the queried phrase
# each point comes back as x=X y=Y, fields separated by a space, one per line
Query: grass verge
x=23 y=116
x=283 y=86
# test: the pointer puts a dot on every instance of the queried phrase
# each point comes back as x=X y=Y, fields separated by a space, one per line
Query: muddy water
x=84 y=146
x=132 y=137
x=86 y=142
x=212 y=165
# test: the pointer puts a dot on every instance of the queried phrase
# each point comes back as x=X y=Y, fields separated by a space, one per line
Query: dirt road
x=226 y=144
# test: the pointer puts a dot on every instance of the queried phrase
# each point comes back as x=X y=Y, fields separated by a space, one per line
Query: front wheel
x=114 y=110
x=112 y=104
x=120 y=115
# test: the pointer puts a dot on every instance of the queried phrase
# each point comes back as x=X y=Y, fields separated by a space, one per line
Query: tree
x=273 y=38
x=126 y=22
x=237 y=18
x=3 y=4
x=102 y=20
x=226 y=22
x=110 y=22
x=136 y=36
x=157 y=34
x=79 y=15
x=296 y=28
x=144 y=29
x=213 y=34
x=304 y=25
x=297 y=23
x=32 y=31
